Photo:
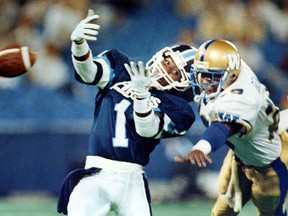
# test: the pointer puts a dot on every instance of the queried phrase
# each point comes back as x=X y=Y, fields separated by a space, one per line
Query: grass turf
x=46 y=206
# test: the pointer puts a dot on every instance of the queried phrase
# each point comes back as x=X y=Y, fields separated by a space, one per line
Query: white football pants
x=119 y=187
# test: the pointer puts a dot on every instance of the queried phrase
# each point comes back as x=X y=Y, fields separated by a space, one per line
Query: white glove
x=140 y=79
x=85 y=29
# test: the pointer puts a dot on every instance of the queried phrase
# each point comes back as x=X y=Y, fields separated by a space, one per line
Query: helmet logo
x=202 y=53
x=234 y=61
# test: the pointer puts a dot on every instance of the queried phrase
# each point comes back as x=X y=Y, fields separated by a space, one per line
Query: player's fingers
x=91 y=26
x=141 y=69
x=180 y=159
x=193 y=161
x=90 y=32
x=134 y=68
x=127 y=67
x=90 y=18
x=90 y=13
x=208 y=159
x=203 y=163
x=197 y=161
x=89 y=37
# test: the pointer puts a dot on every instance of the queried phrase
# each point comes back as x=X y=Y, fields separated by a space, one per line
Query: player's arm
x=146 y=121
x=214 y=137
x=81 y=53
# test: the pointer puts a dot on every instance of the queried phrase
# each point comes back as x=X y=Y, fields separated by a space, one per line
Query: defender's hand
x=85 y=29
x=196 y=156
x=140 y=78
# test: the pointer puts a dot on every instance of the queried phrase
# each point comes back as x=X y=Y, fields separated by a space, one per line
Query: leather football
x=16 y=60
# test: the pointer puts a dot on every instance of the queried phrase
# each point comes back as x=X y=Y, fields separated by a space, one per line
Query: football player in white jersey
x=237 y=111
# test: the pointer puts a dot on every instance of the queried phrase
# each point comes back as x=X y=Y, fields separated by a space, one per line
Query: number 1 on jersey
x=120 y=139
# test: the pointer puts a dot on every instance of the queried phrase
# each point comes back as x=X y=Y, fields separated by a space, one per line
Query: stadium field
x=45 y=206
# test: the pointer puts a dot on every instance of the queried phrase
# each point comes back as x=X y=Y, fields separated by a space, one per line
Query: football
x=16 y=60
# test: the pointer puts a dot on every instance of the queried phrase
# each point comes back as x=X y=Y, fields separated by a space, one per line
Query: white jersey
x=247 y=102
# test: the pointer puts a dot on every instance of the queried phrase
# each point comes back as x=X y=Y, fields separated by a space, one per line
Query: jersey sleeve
x=177 y=114
x=110 y=69
x=237 y=108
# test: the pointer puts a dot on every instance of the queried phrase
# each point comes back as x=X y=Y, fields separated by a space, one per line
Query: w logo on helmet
x=234 y=61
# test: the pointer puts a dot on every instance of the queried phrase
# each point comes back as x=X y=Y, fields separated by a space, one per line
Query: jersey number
x=120 y=139
x=273 y=112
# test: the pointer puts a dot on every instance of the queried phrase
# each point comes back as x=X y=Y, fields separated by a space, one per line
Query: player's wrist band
x=204 y=146
x=79 y=42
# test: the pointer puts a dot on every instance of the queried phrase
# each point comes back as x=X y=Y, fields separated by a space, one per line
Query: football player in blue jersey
x=135 y=107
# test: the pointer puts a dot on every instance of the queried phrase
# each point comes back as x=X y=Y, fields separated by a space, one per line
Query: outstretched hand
x=140 y=78
x=85 y=29
x=195 y=157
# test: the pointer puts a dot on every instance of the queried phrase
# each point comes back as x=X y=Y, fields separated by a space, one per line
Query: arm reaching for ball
x=81 y=53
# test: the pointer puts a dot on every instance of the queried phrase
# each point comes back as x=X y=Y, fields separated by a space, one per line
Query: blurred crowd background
x=47 y=101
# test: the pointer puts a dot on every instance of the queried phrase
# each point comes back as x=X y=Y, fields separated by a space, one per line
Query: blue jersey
x=113 y=135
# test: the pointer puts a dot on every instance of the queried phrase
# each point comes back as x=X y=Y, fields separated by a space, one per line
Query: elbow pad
x=86 y=69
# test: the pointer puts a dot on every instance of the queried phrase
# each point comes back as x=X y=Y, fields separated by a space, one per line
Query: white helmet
x=182 y=56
